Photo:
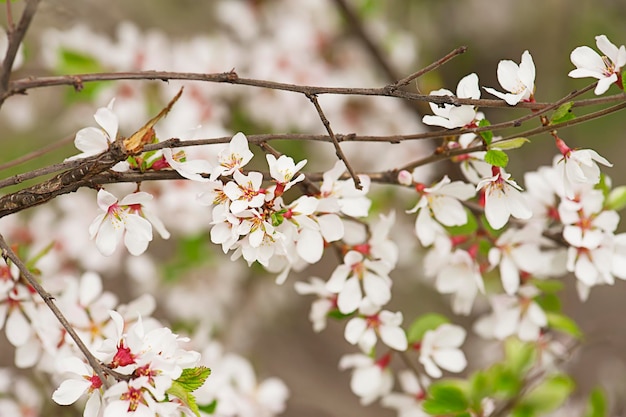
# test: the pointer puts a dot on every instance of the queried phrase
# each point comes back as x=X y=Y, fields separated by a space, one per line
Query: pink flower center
x=133 y=396
x=122 y=357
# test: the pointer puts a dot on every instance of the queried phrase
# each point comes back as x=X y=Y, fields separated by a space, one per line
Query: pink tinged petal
x=509 y=275
x=108 y=120
x=90 y=288
x=394 y=337
x=354 y=330
x=70 y=390
x=331 y=227
x=376 y=289
x=17 y=328
x=350 y=296
x=310 y=245
x=452 y=360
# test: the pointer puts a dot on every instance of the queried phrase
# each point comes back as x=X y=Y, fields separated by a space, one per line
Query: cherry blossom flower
x=345 y=281
x=460 y=276
x=245 y=192
x=363 y=330
x=233 y=158
x=91 y=140
x=342 y=195
x=118 y=221
x=519 y=81
x=326 y=301
x=450 y=116
x=283 y=170
x=440 y=349
x=511 y=253
x=577 y=167
x=503 y=199
x=606 y=68
x=192 y=170
x=409 y=402
x=586 y=223
x=513 y=315
x=81 y=380
x=442 y=202
x=371 y=379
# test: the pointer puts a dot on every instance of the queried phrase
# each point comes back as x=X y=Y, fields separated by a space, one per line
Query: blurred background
x=409 y=34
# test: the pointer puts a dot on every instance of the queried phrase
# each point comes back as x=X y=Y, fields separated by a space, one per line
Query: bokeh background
x=410 y=34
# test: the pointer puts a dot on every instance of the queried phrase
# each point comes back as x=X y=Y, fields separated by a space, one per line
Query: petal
x=509 y=275
x=91 y=141
x=331 y=227
x=394 y=337
x=452 y=360
x=105 y=199
x=90 y=288
x=18 y=329
x=70 y=390
x=354 y=330
x=310 y=245
x=350 y=296
x=450 y=335
x=376 y=289
x=108 y=120
x=468 y=87
x=607 y=47
x=587 y=58
x=138 y=234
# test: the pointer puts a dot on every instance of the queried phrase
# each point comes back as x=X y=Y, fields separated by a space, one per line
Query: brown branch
x=48 y=299
x=338 y=151
x=20 y=86
x=15 y=38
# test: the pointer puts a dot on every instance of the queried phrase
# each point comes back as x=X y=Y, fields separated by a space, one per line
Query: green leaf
x=208 y=408
x=549 y=302
x=563 y=113
x=480 y=387
x=487 y=135
x=445 y=397
x=506 y=383
x=191 y=252
x=549 y=394
x=596 y=405
x=519 y=355
x=564 y=324
x=604 y=185
x=616 y=199
x=186 y=397
x=513 y=143
x=467 y=229
x=423 y=324
x=548 y=285
x=193 y=378
x=338 y=315
x=496 y=157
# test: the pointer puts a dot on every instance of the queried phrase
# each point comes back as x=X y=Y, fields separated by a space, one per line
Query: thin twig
x=8 y=253
x=15 y=39
x=338 y=151
x=36 y=154
x=405 y=81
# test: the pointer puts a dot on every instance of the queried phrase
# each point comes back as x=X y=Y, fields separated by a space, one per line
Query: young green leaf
x=596 y=405
x=193 y=378
x=519 y=355
x=496 y=157
x=423 y=324
x=564 y=324
x=487 y=135
x=563 y=113
x=616 y=199
x=445 y=397
x=186 y=397
x=513 y=143
x=549 y=394
x=208 y=408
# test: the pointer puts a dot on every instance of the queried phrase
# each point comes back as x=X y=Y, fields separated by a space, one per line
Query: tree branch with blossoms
x=483 y=235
